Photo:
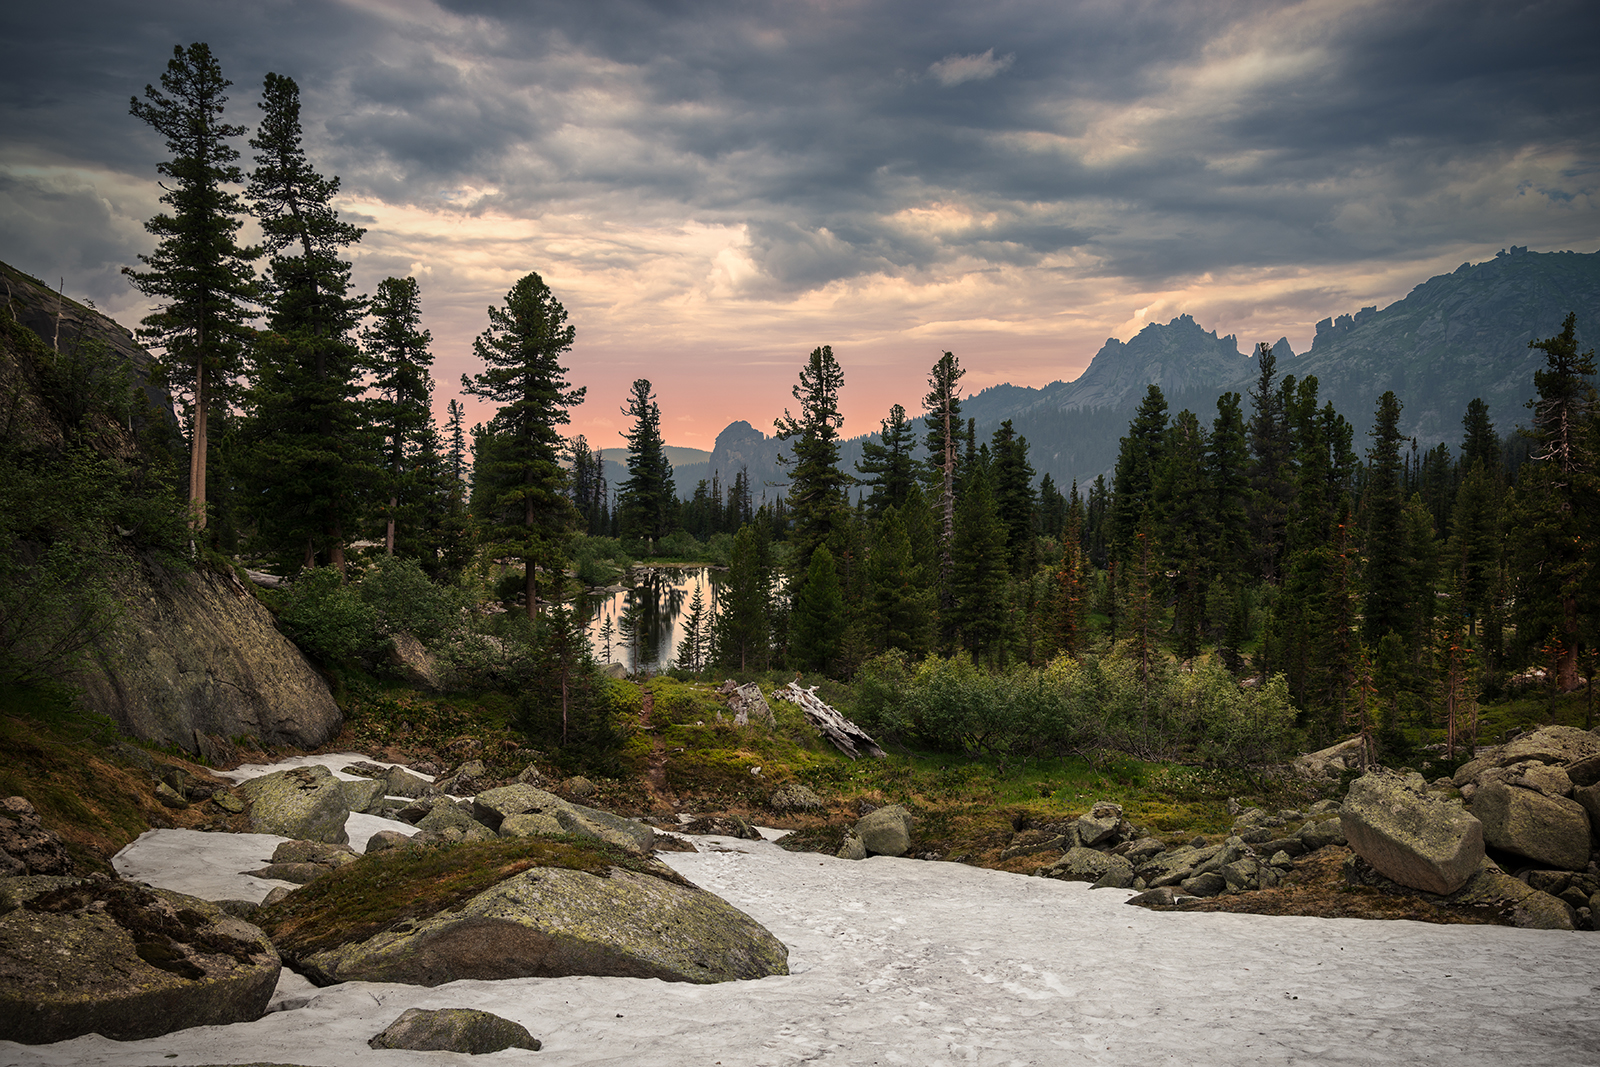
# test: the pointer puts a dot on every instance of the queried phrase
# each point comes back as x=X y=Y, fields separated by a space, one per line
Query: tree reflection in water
x=658 y=600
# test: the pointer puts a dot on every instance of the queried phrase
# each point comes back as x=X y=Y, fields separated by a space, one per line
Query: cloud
x=955 y=69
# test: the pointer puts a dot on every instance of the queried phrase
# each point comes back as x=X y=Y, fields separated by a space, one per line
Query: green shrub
x=406 y=600
x=330 y=620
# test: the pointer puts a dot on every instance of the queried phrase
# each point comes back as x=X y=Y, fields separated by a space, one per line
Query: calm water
x=661 y=597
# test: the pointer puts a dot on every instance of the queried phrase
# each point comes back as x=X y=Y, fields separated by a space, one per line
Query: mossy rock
x=305 y=803
x=531 y=907
x=124 y=961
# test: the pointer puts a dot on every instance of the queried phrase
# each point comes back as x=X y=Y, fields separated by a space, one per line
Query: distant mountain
x=1453 y=338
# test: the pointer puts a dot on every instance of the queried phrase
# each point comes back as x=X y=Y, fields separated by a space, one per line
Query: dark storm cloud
x=816 y=124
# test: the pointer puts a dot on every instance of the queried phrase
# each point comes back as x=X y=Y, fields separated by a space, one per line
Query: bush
x=330 y=620
x=406 y=600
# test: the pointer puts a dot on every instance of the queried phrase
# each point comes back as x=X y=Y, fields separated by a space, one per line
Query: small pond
x=660 y=598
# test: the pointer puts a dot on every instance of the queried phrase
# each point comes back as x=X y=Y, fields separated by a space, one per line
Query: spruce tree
x=1138 y=459
x=1271 y=476
x=815 y=623
x=900 y=600
x=979 y=571
x=646 y=502
x=816 y=484
x=1228 y=477
x=1014 y=497
x=889 y=466
x=199 y=275
x=1181 y=502
x=1386 y=586
x=524 y=489
x=943 y=406
x=399 y=355
x=743 y=624
x=1556 y=507
x=308 y=455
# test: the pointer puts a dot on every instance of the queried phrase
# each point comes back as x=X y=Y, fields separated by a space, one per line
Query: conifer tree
x=309 y=454
x=199 y=274
x=816 y=484
x=1014 y=497
x=1180 y=499
x=399 y=354
x=522 y=484
x=978 y=574
x=1271 y=477
x=743 y=625
x=1386 y=586
x=943 y=406
x=1138 y=459
x=1557 y=504
x=646 y=502
x=815 y=629
x=1228 y=477
x=900 y=600
x=889 y=466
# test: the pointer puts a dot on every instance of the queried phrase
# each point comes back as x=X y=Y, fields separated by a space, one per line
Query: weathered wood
x=846 y=736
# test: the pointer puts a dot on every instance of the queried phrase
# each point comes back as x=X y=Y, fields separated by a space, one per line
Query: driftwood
x=846 y=736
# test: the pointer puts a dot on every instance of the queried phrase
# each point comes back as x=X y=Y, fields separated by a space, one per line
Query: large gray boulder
x=1528 y=908
x=1551 y=831
x=1554 y=745
x=1083 y=864
x=1410 y=835
x=494 y=806
x=886 y=831
x=464 y=1030
x=194 y=654
x=553 y=922
x=1100 y=824
x=303 y=803
x=115 y=958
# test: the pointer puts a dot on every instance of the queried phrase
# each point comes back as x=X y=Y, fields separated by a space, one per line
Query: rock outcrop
x=545 y=813
x=464 y=1030
x=26 y=847
x=82 y=956
x=1410 y=835
x=305 y=803
x=197 y=656
x=569 y=910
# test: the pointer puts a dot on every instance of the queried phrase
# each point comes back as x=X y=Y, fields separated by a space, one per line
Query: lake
x=661 y=596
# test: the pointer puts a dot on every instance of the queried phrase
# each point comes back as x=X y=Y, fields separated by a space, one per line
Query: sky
x=714 y=189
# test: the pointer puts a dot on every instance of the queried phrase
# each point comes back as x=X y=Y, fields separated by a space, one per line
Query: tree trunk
x=197 y=449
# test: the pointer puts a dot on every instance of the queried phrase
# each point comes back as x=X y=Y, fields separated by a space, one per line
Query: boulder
x=1411 y=836
x=1330 y=761
x=195 y=654
x=385 y=839
x=448 y=817
x=1551 y=831
x=792 y=796
x=723 y=826
x=1083 y=864
x=1584 y=772
x=1528 y=907
x=318 y=852
x=1554 y=745
x=122 y=960
x=852 y=848
x=886 y=831
x=31 y=848
x=639 y=921
x=578 y=786
x=492 y=807
x=533 y=824
x=399 y=782
x=465 y=1030
x=304 y=803
x=1175 y=867
x=1100 y=824
x=1322 y=832
x=1551 y=781
x=364 y=796
x=413 y=662
x=1208 y=884
x=1588 y=796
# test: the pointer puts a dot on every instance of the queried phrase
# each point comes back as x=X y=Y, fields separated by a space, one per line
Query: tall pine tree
x=646 y=502
x=520 y=481
x=199 y=274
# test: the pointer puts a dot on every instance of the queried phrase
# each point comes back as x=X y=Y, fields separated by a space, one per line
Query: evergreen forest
x=1245 y=583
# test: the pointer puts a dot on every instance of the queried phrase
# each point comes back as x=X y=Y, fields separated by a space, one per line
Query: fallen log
x=846 y=736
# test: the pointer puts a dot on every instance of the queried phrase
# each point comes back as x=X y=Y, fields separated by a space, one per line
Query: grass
x=62 y=762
